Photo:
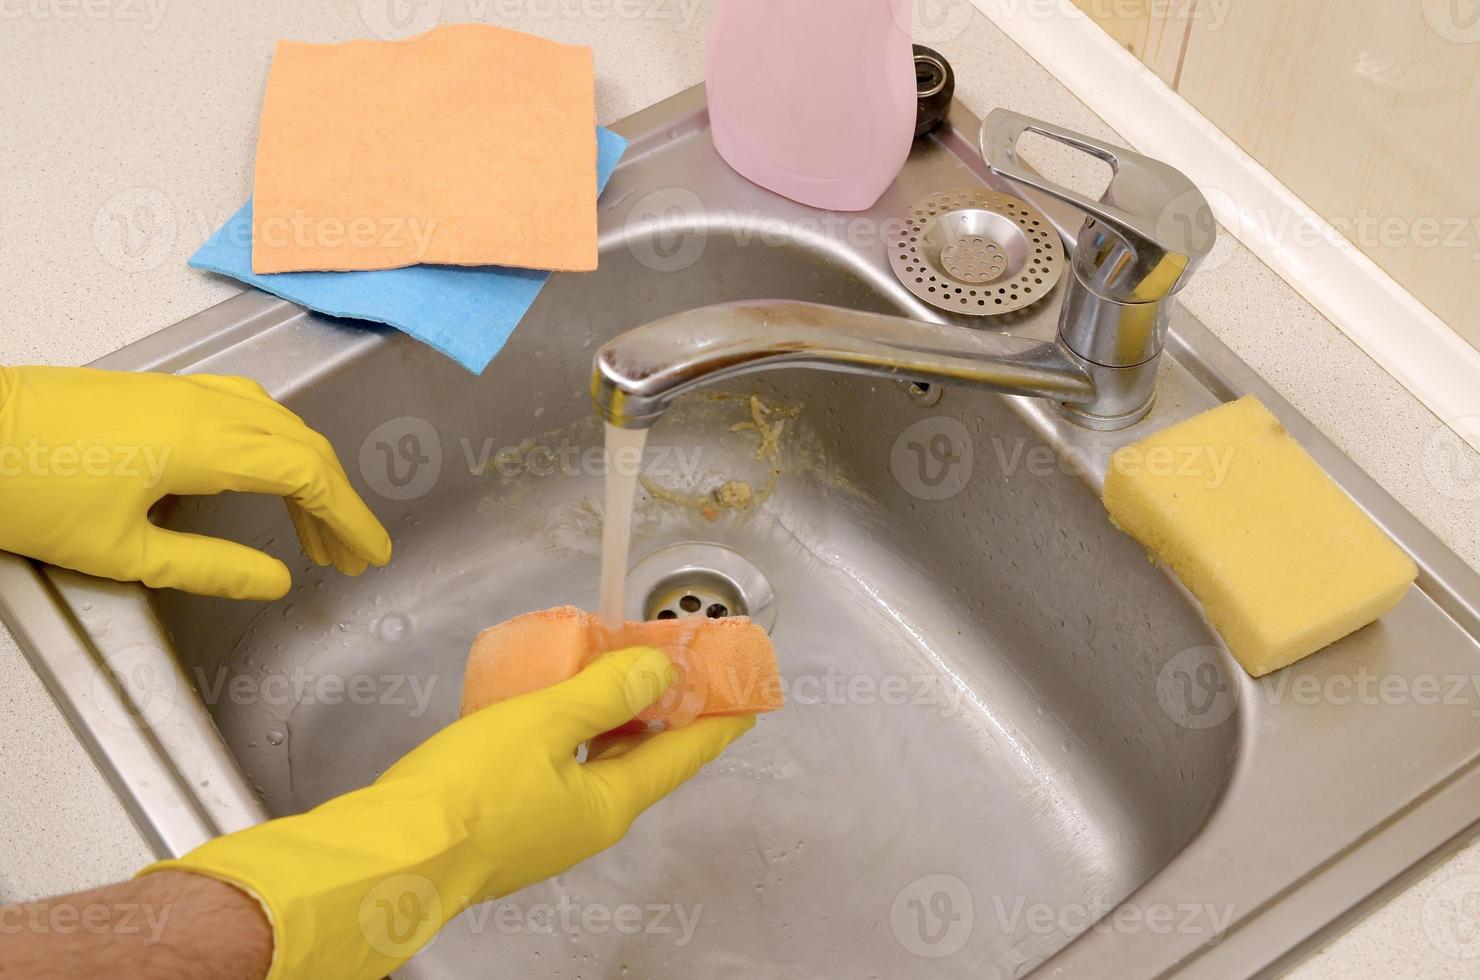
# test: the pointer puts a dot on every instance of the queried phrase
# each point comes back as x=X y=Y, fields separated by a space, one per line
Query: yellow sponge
x=1282 y=560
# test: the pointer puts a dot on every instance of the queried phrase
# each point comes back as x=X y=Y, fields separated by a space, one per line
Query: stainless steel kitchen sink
x=1011 y=742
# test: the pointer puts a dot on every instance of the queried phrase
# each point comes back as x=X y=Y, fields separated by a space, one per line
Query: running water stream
x=624 y=449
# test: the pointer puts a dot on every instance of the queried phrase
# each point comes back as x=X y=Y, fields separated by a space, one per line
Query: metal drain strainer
x=976 y=251
x=699 y=579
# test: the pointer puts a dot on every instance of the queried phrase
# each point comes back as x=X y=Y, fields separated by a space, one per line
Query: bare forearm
x=162 y=926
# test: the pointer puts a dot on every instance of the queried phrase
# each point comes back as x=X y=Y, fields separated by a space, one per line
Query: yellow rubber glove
x=490 y=804
x=85 y=453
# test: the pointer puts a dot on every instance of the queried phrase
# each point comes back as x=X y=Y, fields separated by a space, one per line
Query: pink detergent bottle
x=814 y=99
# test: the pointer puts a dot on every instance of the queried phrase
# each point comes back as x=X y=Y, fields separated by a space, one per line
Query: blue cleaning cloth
x=466 y=312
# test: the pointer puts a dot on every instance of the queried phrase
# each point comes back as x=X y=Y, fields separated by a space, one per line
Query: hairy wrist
x=162 y=926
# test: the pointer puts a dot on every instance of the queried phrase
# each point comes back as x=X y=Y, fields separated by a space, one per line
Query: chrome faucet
x=1138 y=246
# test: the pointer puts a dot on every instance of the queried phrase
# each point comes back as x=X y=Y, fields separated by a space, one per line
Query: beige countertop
x=129 y=131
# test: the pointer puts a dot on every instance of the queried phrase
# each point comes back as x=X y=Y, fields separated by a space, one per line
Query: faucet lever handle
x=1157 y=214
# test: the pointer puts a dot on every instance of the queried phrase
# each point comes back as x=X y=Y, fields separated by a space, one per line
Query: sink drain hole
x=716 y=610
x=695 y=592
x=699 y=579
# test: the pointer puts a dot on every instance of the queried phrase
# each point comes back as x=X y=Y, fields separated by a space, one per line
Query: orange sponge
x=725 y=666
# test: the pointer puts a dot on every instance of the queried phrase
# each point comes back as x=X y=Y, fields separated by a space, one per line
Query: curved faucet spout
x=639 y=373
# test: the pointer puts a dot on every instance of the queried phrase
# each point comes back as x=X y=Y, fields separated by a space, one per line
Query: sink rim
x=45 y=609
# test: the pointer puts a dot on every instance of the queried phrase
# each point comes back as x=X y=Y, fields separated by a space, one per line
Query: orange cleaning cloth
x=725 y=666
x=467 y=145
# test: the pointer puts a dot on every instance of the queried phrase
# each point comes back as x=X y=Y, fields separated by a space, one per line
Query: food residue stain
x=737 y=495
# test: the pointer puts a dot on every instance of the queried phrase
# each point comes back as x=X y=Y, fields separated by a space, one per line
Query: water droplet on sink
x=393 y=626
x=276 y=737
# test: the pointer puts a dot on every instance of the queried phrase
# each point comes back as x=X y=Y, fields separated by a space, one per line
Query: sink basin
x=1010 y=741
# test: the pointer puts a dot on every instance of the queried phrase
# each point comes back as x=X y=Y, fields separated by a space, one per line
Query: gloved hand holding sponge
x=498 y=800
